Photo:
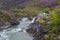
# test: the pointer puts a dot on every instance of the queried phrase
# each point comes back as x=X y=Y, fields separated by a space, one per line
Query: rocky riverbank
x=5 y=25
x=12 y=22
x=37 y=31
x=41 y=28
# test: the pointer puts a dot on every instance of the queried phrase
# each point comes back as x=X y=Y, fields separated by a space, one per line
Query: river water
x=14 y=34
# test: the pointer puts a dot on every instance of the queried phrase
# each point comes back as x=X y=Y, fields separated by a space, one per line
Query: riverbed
x=14 y=32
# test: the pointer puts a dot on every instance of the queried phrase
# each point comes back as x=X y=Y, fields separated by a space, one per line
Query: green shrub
x=46 y=37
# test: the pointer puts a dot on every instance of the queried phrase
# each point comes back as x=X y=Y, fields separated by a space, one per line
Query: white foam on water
x=24 y=30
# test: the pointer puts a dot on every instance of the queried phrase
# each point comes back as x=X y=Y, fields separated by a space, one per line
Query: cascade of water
x=33 y=20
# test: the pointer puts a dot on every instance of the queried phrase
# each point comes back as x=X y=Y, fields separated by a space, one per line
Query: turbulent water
x=18 y=32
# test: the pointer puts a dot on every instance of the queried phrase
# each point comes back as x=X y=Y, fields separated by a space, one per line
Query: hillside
x=10 y=10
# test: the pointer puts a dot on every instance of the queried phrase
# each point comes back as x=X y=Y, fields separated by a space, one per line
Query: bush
x=46 y=37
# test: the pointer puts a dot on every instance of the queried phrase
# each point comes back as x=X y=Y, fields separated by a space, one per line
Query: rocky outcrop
x=37 y=31
x=5 y=25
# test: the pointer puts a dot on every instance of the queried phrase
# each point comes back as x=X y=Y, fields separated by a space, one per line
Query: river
x=14 y=33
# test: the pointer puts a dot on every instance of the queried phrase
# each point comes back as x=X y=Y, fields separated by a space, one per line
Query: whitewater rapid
x=18 y=31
